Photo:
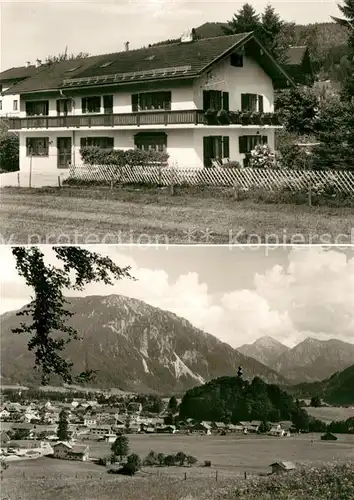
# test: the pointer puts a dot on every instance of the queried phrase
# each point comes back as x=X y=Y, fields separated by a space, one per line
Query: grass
x=331 y=413
x=141 y=216
x=63 y=480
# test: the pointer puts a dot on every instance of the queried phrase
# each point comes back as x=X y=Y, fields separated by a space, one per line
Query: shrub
x=191 y=460
x=170 y=460
x=232 y=164
x=134 y=461
x=9 y=153
x=262 y=157
x=93 y=155
x=151 y=459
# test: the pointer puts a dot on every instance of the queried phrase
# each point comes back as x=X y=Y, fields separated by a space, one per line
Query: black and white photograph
x=195 y=373
x=151 y=118
x=176 y=250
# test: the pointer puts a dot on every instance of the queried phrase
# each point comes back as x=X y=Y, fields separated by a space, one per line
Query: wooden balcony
x=154 y=118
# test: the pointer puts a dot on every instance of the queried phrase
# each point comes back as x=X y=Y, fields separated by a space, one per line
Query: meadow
x=331 y=413
x=140 y=216
x=51 y=479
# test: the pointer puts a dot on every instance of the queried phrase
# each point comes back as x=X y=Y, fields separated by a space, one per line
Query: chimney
x=38 y=63
x=28 y=64
x=126 y=45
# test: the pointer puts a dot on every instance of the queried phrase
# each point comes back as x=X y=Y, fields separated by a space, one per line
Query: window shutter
x=83 y=142
x=245 y=100
x=225 y=101
x=242 y=143
x=168 y=100
x=58 y=105
x=110 y=142
x=206 y=99
x=135 y=102
x=28 y=145
x=207 y=151
x=226 y=146
x=264 y=139
x=84 y=104
x=260 y=104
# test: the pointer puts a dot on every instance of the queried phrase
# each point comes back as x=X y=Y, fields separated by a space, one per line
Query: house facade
x=198 y=100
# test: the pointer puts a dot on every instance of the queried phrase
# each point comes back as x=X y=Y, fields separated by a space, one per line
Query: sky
x=237 y=294
x=31 y=30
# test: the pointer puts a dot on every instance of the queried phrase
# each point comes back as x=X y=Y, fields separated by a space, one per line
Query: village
x=33 y=425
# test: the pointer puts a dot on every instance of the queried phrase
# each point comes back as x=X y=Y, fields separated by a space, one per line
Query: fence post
x=30 y=174
x=172 y=181
x=245 y=473
x=310 y=195
x=18 y=179
x=216 y=476
x=59 y=185
x=185 y=476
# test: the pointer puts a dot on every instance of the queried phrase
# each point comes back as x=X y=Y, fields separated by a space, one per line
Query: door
x=64 y=152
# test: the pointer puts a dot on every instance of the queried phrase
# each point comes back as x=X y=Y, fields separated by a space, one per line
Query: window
x=216 y=100
x=148 y=141
x=252 y=103
x=215 y=147
x=100 y=142
x=236 y=60
x=108 y=104
x=37 y=146
x=151 y=101
x=64 y=106
x=91 y=104
x=249 y=142
x=37 y=108
x=15 y=105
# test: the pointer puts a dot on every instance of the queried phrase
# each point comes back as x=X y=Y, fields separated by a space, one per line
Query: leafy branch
x=49 y=330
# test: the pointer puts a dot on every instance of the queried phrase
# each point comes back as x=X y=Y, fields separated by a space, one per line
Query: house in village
x=281 y=467
x=329 y=437
x=201 y=101
x=69 y=451
x=202 y=428
x=10 y=103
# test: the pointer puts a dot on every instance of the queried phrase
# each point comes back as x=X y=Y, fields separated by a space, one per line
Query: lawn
x=52 y=479
x=330 y=413
x=129 y=215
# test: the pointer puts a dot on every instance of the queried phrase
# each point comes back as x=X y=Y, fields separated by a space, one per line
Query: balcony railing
x=164 y=118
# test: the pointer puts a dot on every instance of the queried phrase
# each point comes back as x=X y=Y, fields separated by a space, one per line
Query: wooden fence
x=242 y=178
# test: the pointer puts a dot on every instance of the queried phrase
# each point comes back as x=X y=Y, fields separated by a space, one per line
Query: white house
x=69 y=451
x=10 y=103
x=198 y=100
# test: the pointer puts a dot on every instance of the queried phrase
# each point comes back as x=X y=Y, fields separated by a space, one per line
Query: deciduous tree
x=120 y=447
x=48 y=329
x=63 y=425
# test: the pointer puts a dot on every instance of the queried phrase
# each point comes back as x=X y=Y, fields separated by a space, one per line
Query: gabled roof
x=284 y=465
x=171 y=61
x=295 y=55
x=17 y=73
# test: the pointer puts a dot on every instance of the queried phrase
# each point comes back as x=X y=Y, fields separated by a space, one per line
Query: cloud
x=311 y=295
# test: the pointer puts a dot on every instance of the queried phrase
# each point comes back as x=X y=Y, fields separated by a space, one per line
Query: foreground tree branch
x=49 y=330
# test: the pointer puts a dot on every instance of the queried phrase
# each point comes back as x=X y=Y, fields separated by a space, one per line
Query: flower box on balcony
x=235 y=117
x=211 y=118
x=223 y=117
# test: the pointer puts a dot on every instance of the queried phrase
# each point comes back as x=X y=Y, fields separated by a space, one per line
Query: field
x=330 y=413
x=52 y=479
x=127 y=215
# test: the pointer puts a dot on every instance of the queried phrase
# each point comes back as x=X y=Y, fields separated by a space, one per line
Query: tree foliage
x=9 y=152
x=172 y=404
x=244 y=20
x=243 y=400
x=48 y=328
x=62 y=431
x=64 y=56
x=347 y=9
x=120 y=447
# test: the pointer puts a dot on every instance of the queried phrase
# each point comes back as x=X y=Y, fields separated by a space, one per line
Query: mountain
x=265 y=350
x=134 y=346
x=314 y=359
x=337 y=390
